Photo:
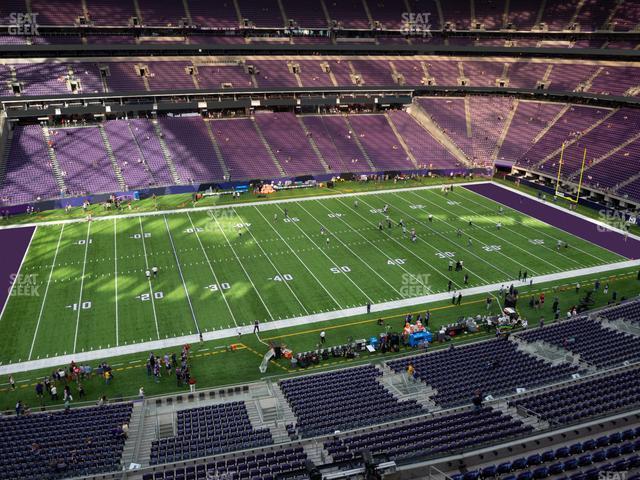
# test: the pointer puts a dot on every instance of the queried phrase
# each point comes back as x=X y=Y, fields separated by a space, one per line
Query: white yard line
x=398 y=243
x=184 y=284
x=24 y=257
x=479 y=242
x=272 y=264
x=84 y=269
x=242 y=266
x=46 y=291
x=299 y=259
x=115 y=258
x=514 y=230
x=215 y=277
x=146 y=263
x=292 y=322
x=445 y=276
x=541 y=231
x=234 y=205
x=358 y=257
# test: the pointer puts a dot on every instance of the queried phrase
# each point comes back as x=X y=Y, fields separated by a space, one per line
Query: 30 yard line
x=115 y=258
x=146 y=263
x=46 y=290
x=84 y=269
x=186 y=291
x=272 y=264
x=215 y=277
x=242 y=266
x=299 y=259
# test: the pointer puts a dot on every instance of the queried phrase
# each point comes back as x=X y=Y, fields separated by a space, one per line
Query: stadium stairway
x=621 y=325
x=216 y=148
x=404 y=389
x=6 y=137
x=403 y=144
x=314 y=145
x=526 y=417
x=551 y=353
x=136 y=431
x=575 y=175
x=268 y=148
x=505 y=130
x=112 y=158
x=436 y=132
x=166 y=152
x=575 y=139
x=359 y=144
x=54 y=160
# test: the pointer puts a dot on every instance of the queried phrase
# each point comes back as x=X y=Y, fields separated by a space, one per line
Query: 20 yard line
x=46 y=290
x=186 y=291
x=146 y=263
x=115 y=258
x=84 y=269
x=215 y=277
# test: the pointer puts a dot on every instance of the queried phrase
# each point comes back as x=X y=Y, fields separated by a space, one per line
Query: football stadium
x=320 y=239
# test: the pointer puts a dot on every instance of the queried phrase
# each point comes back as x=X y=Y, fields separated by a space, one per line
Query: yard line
x=492 y=234
x=272 y=264
x=215 y=218
x=146 y=263
x=84 y=267
x=184 y=284
x=46 y=290
x=115 y=258
x=457 y=244
x=299 y=259
x=512 y=230
x=369 y=299
x=215 y=277
x=387 y=256
x=436 y=250
x=541 y=232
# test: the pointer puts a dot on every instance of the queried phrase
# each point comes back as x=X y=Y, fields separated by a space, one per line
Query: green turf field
x=225 y=268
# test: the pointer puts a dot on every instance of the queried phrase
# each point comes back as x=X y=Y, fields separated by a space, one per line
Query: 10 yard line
x=146 y=262
x=175 y=254
x=44 y=299
x=84 y=268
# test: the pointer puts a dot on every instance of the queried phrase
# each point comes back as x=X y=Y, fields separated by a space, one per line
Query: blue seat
x=535 y=459
x=504 y=468
x=548 y=456
x=585 y=460
x=542 y=472
x=519 y=464
x=489 y=472
x=525 y=476
x=556 y=469
x=471 y=475
x=570 y=464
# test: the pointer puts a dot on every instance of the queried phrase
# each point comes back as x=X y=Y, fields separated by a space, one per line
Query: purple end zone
x=577 y=226
x=15 y=242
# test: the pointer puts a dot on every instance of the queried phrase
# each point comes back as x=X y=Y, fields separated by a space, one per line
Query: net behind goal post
x=558 y=193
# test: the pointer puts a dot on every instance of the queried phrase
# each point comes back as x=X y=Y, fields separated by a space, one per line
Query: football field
x=225 y=268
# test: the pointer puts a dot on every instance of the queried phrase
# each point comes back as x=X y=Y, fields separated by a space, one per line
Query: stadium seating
x=211 y=430
x=596 y=345
x=341 y=400
x=615 y=452
x=589 y=398
x=443 y=434
x=287 y=462
x=63 y=444
x=628 y=311
x=494 y=368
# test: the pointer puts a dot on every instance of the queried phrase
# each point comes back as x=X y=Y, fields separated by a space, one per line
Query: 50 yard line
x=84 y=269
x=46 y=290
